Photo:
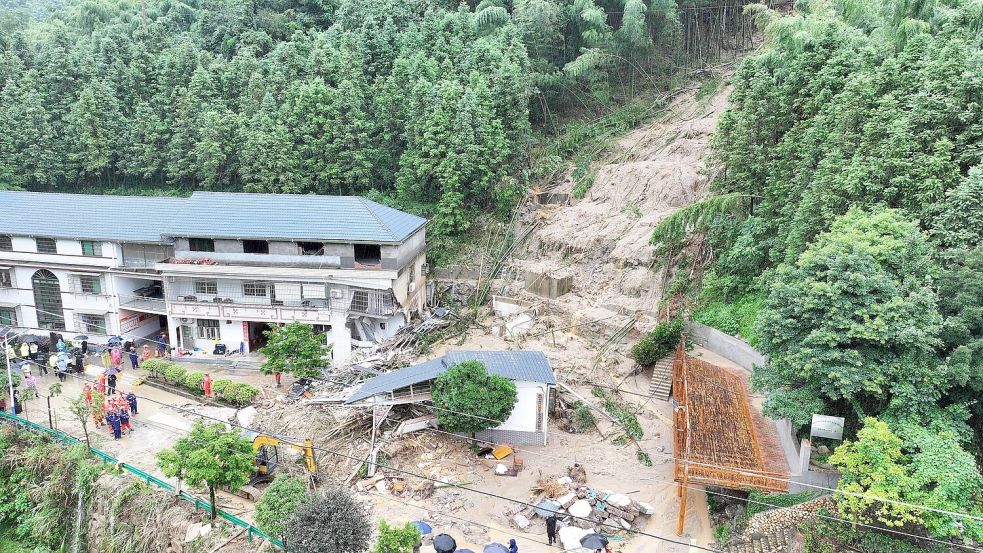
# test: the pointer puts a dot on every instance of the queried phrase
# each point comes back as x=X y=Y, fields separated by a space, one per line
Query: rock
x=580 y=509
x=566 y=500
x=521 y=521
x=565 y=481
x=194 y=530
x=570 y=537
x=618 y=500
x=245 y=416
x=645 y=508
x=205 y=530
x=501 y=469
x=382 y=486
x=733 y=511
x=822 y=450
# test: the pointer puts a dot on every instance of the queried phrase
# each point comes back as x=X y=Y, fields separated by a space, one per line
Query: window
x=46 y=245
x=5 y=244
x=201 y=244
x=311 y=248
x=255 y=289
x=91 y=249
x=8 y=316
x=206 y=287
x=208 y=329
x=93 y=324
x=47 y=300
x=5 y=279
x=368 y=254
x=90 y=284
x=255 y=246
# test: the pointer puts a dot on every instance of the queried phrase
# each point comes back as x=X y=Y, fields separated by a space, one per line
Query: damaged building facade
x=216 y=267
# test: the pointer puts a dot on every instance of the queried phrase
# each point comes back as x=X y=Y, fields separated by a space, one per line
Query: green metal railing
x=149 y=479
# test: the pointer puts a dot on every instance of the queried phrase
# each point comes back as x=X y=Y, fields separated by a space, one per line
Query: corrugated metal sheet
x=529 y=366
x=206 y=214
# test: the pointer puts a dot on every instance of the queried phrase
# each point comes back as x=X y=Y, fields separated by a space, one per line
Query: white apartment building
x=212 y=267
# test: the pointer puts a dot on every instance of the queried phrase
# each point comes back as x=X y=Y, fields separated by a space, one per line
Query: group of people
x=114 y=412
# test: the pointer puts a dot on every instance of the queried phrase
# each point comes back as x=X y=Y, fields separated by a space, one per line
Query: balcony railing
x=147 y=305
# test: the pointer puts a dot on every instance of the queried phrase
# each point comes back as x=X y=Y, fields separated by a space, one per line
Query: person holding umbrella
x=442 y=543
x=594 y=541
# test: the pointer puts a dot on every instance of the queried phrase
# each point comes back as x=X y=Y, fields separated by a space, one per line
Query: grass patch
x=708 y=88
x=737 y=317
x=623 y=412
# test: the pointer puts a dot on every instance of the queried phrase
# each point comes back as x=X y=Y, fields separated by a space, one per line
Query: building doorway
x=47 y=300
x=256 y=336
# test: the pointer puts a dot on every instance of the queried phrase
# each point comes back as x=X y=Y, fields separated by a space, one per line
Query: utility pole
x=5 y=331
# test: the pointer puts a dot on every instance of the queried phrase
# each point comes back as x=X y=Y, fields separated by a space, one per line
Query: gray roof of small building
x=205 y=214
x=529 y=366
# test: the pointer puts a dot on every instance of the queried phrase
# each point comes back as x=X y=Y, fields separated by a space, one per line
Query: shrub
x=174 y=373
x=333 y=522
x=396 y=539
x=659 y=343
x=279 y=502
x=156 y=366
x=193 y=380
x=220 y=385
x=239 y=394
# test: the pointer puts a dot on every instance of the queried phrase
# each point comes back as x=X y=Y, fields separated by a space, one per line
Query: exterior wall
x=73 y=301
x=409 y=250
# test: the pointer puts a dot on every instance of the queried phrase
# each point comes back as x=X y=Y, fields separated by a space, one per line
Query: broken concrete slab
x=547 y=285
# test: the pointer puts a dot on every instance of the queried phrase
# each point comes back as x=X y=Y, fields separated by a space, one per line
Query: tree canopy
x=210 y=456
x=468 y=399
x=294 y=349
x=278 y=503
x=332 y=521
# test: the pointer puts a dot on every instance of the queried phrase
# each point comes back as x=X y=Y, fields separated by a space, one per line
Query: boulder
x=521 y=521
x=580 y=509
x=501 y=469
x=570 y=537
x=644 y=508
x=565 y=481
x=618 y=500
x=566 y=500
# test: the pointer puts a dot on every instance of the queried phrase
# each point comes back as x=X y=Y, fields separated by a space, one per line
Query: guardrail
x=149 y=479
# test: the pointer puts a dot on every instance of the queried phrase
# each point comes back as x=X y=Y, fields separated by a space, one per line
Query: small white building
x=530 y=370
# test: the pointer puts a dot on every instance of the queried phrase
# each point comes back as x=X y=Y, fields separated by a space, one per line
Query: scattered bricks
x=567 y=500
x=620 y=513
x=600 y=514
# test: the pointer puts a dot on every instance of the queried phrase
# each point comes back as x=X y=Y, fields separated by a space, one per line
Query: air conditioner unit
x=187 y=320
x=336 y=293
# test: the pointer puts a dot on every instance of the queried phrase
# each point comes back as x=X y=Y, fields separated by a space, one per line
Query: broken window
x=368 y=254
x=201 y=244
x=255 y=246
x=311 y=248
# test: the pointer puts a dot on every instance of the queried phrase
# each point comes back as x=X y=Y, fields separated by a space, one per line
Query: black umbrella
x=29 y=338
x=442 y=543
x=593 y=541
x=81 y=337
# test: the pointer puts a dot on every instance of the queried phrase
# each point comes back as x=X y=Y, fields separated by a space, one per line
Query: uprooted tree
x=209 y=456
x=294 y=349
x=468 y=399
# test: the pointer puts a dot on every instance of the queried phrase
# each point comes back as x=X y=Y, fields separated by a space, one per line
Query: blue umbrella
x=444 y=544
x=82 y=337
x=495 y=548
x=464 y=551
x=114 y=340
x=423 y=527
x=112 y=370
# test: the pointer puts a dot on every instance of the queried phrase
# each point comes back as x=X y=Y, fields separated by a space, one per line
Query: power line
x=288 y=441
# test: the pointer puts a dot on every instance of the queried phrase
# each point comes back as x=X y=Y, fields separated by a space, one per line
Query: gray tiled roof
x=529 y=366
x=82 y=216
x=205 y=214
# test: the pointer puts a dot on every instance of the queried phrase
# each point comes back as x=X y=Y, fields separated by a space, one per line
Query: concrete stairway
x=775 y=542
x=662 y=378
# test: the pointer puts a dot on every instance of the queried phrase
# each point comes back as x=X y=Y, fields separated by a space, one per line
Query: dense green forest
x=429 y=104
x=846 y=237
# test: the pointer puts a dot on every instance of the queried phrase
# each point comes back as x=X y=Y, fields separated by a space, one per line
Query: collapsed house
x=530 y=370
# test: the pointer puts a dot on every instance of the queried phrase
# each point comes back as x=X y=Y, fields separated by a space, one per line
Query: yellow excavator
x=268 y=458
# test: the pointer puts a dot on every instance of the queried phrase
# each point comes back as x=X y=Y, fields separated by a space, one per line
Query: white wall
x=523 y=417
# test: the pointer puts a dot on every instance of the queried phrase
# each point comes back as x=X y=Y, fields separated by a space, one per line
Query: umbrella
x=82 y=337
x=112 y=370
x=29 y=338
x=547 y=508
x=114 y=340
x=593 y=541
x=464 y=551
x=444 y=544
x=423 y=527
x=495 y=548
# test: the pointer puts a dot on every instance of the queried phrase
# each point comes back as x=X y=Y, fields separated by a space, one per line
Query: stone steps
x=776 y=542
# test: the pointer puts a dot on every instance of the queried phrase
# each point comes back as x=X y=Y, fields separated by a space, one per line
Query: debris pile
x=581 y=506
